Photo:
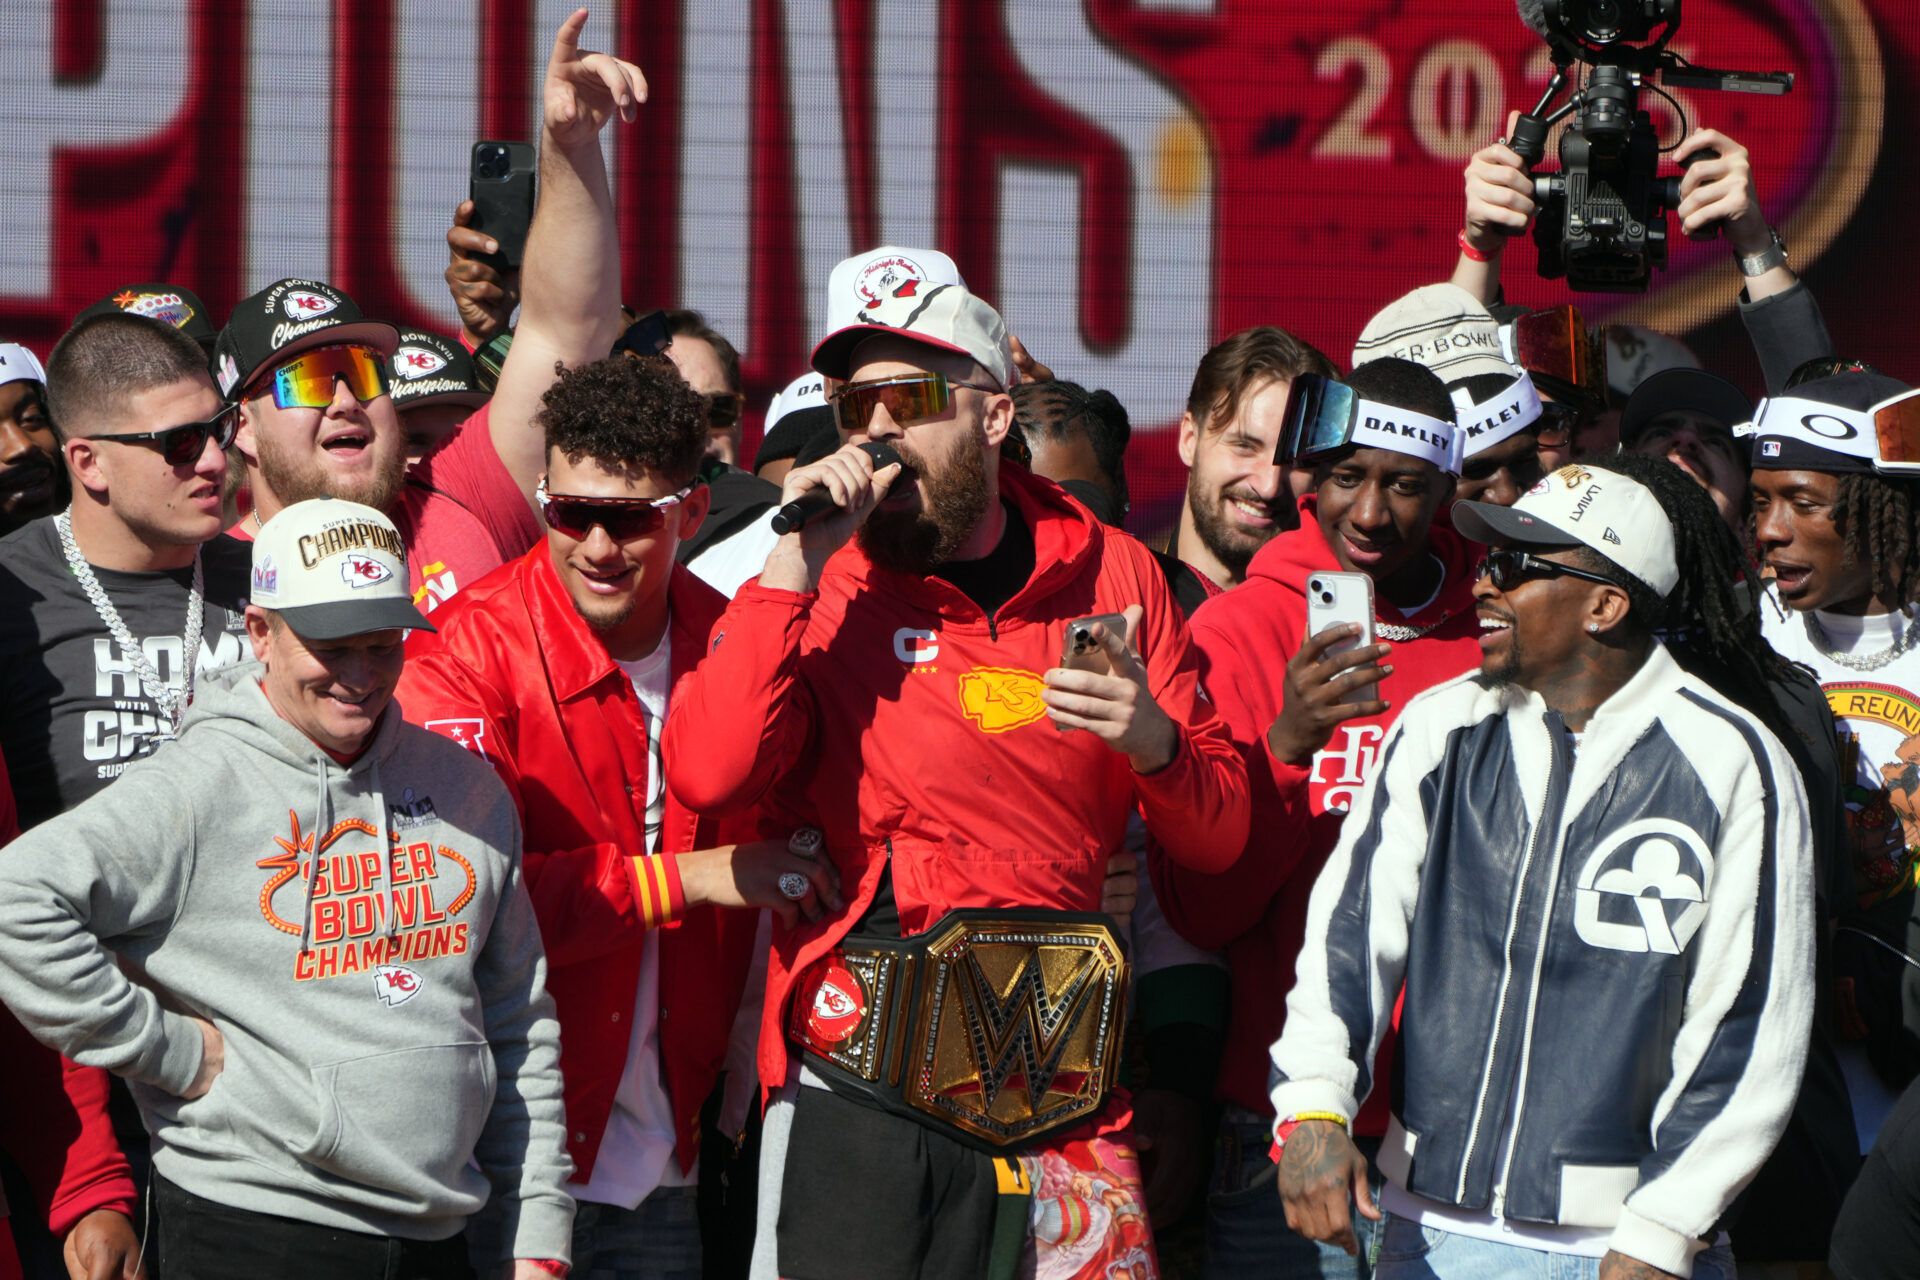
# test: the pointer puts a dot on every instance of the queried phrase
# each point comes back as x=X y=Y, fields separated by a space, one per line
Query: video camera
x=1603 y=216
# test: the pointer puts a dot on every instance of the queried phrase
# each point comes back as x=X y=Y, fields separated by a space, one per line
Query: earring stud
x=1593 y=627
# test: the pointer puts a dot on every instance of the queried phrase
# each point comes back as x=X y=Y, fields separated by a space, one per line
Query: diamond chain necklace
x=172 y=701
x=1860 y=661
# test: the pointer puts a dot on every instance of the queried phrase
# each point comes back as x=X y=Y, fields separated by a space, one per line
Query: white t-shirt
x=1877 y=714
x=636 y=1151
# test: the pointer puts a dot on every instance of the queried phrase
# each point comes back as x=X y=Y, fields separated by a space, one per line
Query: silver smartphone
x=1337 y=599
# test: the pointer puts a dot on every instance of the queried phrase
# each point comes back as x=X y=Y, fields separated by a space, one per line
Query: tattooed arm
x=1618 y=1266
x=1318 y=1166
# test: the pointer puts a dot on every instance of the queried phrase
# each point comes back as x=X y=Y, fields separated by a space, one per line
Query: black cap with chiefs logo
x=284 y=319
x=429 y=369
x=167 y=303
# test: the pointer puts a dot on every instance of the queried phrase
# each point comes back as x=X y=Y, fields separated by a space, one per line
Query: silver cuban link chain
x=1859 y=661
x=173 y=701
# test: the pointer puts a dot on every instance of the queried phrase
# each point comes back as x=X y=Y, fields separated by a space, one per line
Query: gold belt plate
x=1017 y=1028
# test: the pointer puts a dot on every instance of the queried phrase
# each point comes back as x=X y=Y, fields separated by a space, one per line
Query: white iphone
x=1336 y=599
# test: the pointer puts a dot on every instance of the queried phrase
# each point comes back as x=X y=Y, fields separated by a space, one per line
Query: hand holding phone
x=1335 y=677
x=1101 y=685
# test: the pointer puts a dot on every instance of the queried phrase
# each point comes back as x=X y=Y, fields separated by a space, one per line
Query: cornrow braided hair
x=1059 y=410
x=1876 y=516
x=1711 y=618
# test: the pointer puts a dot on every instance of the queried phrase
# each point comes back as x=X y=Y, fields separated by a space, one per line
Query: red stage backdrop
x=1128 y=180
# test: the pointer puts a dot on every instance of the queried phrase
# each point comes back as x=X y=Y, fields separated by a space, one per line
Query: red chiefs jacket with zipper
x=518 y=677
x=1256 y=909
x=889 y=711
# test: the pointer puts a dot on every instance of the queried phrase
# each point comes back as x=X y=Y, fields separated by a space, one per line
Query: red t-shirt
x=461 y=516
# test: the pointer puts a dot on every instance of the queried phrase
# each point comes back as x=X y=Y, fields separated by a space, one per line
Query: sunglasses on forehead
x=575 y=516
x=1555 y=344
x=915 y=398
x=182 y=445
x=307 y=381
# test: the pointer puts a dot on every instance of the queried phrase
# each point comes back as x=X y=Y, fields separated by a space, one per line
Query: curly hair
x=1875 y=516
x=1710 y=621
x=627 y=412
x=1060 y=410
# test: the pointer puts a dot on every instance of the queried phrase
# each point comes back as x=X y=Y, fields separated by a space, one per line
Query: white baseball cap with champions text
x=334 y=569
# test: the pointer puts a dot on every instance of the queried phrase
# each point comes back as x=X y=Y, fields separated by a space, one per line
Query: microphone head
x=1534 y=14
x=883 y=454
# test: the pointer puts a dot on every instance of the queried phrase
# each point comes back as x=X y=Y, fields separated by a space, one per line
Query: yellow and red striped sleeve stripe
x=657 y=891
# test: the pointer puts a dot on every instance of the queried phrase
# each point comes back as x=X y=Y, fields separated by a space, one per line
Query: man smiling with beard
x=1308 y=750
x=889 y=660
x=1237 y=499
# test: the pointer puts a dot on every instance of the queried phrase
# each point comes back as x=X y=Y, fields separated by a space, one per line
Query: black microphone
x=1534 y=14
x=818 y=502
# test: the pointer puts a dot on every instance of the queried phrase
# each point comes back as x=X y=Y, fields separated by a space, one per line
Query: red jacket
x=518 y=677
x=53 y=1121
x=1256 y=909
x=889 y=711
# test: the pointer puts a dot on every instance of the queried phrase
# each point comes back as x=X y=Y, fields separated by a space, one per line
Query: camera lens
x=492 y=161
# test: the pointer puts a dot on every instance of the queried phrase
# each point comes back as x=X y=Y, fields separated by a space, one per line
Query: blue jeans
x=658 y=1241
x=1409 y=1251
x=1247 y=1232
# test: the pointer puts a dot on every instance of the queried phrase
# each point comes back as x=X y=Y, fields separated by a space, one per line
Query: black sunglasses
x=182 y=445
x=1509 y=568
x=1556 y=424
x=647 y=336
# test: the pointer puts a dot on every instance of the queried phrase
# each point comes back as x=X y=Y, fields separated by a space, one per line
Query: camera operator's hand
x=1499 y=195
x=584 y=89
x=1316 y=681
x=857 y=488
x=484 y=294
x=1717 y=195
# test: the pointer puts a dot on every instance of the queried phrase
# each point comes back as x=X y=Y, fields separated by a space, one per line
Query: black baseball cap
x=429 y=369
x=1683 y=391
x=167 y=303
x=284 y=319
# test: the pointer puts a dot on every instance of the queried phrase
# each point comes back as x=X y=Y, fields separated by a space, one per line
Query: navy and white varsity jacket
x=1607 y=952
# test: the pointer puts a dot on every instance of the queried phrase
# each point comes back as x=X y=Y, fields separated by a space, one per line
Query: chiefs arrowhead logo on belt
x=1001 y=699
x=839 y=1003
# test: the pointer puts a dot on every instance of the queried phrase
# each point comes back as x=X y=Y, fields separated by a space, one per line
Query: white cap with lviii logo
x=1588 y=506
x=333 y=569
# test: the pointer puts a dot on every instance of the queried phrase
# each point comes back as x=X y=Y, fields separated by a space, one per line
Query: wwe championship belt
x=996 y=1027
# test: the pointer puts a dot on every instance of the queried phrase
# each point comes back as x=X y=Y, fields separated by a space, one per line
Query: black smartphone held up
x=500 y=184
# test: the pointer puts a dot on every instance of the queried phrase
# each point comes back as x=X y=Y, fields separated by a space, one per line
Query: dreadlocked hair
x=1875 y=516
x=1711 y=619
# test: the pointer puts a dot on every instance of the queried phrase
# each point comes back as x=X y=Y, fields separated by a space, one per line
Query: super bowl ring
x=806 y=842
x=793 y=885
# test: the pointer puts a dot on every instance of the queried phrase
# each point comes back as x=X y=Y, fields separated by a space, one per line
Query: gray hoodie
x=386 y=1026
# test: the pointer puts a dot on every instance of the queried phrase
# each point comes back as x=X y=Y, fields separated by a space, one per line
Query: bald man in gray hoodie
x=300 y=931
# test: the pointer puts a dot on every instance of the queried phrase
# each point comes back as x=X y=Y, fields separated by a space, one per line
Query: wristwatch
x=1758 y=264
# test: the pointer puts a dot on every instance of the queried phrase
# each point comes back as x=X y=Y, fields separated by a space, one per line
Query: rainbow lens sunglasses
x=622 y=518
x=917 y=397
x=182 y=445
x=307 y=380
